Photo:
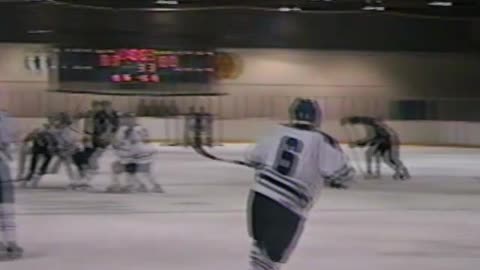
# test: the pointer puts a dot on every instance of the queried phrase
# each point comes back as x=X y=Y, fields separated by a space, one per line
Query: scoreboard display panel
x=136 y=66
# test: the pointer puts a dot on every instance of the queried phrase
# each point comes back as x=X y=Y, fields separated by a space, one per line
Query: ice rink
x=429 y=223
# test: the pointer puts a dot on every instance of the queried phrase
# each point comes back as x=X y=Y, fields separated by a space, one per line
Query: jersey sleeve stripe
x=296 y=185
x=276 y=190
x=300 y=197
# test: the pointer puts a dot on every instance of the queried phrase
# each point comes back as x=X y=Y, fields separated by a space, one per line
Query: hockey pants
x=274 y=229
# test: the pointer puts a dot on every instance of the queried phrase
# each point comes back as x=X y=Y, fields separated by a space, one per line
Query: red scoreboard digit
x=105 y=60
x=162 y=61
x=173 y=61
x=154 y=78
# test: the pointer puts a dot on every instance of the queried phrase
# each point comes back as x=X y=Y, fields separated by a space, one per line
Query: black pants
x=81 y=159
x=387 y=153
x=131 y=168
x=274 y=228
x=38 y=152
x=99 y=142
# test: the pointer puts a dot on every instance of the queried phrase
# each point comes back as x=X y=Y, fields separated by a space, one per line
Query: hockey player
x=81 y=159
x=105 y=125
x=43 y=145
x=200 y=124
x=112 y=116
x=95 y=107
x=382 y=144
x=135 y=156
x=66 y=146
x=54 y=140
x=9 y=248
x=292 y=164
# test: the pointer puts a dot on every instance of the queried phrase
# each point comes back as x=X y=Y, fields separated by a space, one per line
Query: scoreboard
x=136 y=66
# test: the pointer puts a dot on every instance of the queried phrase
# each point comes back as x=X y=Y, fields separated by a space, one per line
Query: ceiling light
x=374 y=8
x=167 y=2
x=39 y=31
x=287 y=9
x=441 y=4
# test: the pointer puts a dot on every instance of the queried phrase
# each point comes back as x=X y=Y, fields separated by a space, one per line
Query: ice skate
x=11 y=251
x=3 y=251
x=406 y=174
x=23 y=183
x=371 y=176
x=141 y=188
x=14 y=251
x=114 y=188
x=85 y=187
x=158 y=189
x=402 y=176
x=128 y=189
x=73 y=186
x=398 y=176
x=76 y=187
x=35 y=180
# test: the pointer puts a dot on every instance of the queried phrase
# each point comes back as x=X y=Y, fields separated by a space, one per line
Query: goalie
x=135 y=157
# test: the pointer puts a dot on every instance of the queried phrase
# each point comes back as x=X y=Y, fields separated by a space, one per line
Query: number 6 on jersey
x=287 y=156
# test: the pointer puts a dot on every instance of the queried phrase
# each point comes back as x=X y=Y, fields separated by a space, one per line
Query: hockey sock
x=7 y=222
x=259 y=260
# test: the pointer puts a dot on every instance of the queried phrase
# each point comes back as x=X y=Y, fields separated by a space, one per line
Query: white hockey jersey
x=66 y=142
x=6 y=128
x=6 y=135
x=131 y=147
x=295 y=163
x=132 y=135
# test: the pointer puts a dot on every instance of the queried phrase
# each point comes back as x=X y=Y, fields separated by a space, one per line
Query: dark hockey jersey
x=105 y=122
x=44 y=139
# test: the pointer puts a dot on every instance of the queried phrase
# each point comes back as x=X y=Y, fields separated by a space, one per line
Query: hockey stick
x=80 y=132
x=200 y=150
x=354 y=152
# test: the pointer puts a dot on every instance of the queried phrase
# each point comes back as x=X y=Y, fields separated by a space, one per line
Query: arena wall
x=268 y=79
x=344 y=83
x=353 y=73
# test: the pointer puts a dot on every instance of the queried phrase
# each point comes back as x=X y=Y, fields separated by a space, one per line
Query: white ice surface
x=429 y=223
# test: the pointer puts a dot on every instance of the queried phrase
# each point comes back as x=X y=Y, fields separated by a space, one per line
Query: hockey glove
x=337 y=185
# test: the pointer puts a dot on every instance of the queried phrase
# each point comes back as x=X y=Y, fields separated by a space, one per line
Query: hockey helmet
x=64 y=119
x=305 y=111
